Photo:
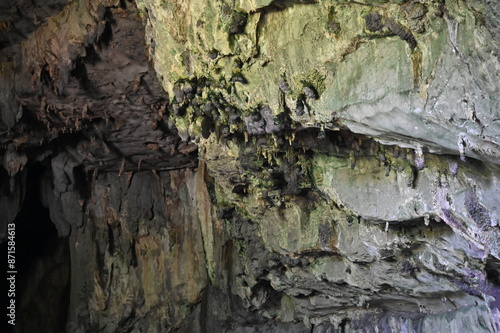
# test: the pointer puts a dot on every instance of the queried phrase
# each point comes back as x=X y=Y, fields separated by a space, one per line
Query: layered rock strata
x=249 y=166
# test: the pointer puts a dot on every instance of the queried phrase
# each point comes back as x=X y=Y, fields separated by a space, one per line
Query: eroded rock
x=300 y=166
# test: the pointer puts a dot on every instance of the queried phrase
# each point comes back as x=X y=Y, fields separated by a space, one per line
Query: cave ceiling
x=102 y=103
x=235 y=166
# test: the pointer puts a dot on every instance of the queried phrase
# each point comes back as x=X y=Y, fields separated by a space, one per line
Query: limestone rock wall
x=405 y=73
x=140 y=253
x=266 y=165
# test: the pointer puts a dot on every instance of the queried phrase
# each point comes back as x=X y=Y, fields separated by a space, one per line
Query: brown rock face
x=251 y=166
x=141 y=255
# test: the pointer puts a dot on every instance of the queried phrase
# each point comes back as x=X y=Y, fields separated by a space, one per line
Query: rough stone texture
x=98 y=87
x=12 y=194
x=140 y=255
x=435 y=83
x=19 y=18
x=301 y=166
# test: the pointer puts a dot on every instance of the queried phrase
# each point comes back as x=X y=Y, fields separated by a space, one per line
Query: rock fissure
x=247 y=166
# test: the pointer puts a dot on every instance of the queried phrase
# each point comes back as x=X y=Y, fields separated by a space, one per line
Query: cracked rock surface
x=254 y=166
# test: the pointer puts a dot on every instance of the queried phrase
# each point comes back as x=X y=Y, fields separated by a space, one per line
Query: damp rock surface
x=256 y=166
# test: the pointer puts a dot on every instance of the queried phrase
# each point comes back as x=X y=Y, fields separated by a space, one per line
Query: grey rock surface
x=256 y=166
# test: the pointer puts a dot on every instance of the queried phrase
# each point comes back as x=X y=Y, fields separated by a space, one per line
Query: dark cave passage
x=250 y=166
x=42 y=264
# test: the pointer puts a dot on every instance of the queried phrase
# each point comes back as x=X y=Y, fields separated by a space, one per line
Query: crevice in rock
x=42 y=264
x=297 y=222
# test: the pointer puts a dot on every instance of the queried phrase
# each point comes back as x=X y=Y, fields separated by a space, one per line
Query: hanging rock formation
x=255 y=166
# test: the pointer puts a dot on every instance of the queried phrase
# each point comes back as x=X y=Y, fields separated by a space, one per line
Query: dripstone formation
x=252 y=166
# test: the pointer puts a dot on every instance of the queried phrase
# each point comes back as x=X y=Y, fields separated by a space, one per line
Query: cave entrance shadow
x=42 y=264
